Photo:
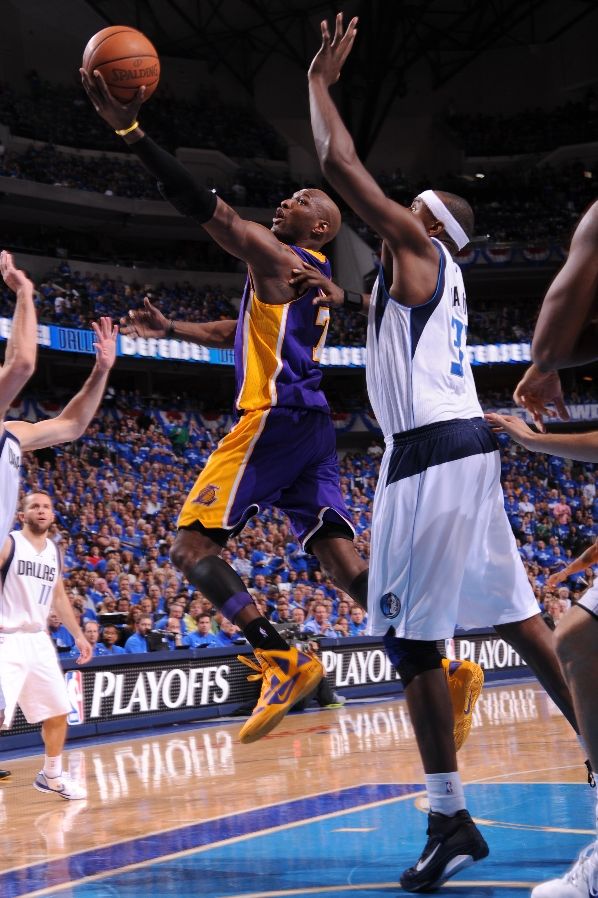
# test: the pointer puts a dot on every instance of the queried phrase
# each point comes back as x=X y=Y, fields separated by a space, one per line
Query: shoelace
x=254 y=665
x=591 y=777
x=582 y=873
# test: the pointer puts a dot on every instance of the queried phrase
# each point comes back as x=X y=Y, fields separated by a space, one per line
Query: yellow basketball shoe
x=465 y=680
x=287 y=677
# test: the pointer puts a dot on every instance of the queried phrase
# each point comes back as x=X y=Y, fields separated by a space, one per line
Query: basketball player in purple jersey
x=282 y=451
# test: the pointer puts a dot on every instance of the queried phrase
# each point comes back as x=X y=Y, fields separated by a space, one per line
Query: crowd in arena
x=73 y=298
x=61 y=114
x=117 y=492
x=529 y=131
x=252 y=184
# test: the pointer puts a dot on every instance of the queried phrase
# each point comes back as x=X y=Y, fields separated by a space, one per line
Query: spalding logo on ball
x=126 y=59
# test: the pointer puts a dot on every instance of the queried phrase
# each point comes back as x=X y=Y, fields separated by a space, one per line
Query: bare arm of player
x=65 y=612
x=403 y=232
x=330 y=294
x=586 y=559
x=247 y=240
x=73 y=420
x=577 y=446
x=21 y=348
x=566 y=333
x=149 y=322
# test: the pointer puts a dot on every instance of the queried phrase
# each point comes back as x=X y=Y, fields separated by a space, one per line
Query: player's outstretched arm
x=329 y=293
x=338 y=157
x=586 y=559
x=566 y=333
x=21 y=349
x=578 y=446
x=149 y=322
x=73 y=420
x=65 y=612
x=246 y=240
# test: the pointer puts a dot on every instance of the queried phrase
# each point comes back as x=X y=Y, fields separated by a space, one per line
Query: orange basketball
x=126 y=59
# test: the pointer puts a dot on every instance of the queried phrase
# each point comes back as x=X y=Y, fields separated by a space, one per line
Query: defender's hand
x=331 y=56
x=517 y=429
x=329 y=293
x=105 y=343
x=13 y=277
x=536 y=390
x=146 y=322
x=115 y=113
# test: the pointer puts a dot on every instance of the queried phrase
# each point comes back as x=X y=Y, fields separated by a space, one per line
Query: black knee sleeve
x=217 y=580
x=411 y=657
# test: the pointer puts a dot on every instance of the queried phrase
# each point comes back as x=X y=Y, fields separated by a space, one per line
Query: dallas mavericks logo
x=390 y=605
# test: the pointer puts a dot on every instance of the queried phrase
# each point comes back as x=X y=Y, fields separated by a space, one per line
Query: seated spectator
x=138 y=643
x=110 y=639
x=357 y=622
x=202 y=637
x=59 y=634
x=229 y=634
x=319 y=625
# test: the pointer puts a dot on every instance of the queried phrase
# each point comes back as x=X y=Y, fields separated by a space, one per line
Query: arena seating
x=118 y=489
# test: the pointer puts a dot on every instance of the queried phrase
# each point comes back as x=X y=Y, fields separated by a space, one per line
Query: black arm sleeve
x=174 y=181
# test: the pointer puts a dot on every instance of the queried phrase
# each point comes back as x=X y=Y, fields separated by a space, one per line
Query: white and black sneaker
x=581 y=881
x=453 y=844
x=59 y=785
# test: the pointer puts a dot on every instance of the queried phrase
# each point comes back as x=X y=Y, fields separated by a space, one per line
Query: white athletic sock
x=53 y=766
x=445 y=792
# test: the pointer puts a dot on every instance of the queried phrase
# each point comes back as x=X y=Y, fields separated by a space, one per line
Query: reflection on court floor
x=331 y=804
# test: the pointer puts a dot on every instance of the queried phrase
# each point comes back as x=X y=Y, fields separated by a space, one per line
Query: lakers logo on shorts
x=390 y=605
x=207 y=496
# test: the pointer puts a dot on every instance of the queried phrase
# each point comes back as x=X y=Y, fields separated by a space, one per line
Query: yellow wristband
x=124 y=131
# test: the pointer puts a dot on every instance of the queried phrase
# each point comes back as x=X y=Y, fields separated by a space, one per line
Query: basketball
x=126 y=59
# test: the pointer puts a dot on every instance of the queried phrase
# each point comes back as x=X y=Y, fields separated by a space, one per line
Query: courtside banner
x=70 y=339
x=158 y=688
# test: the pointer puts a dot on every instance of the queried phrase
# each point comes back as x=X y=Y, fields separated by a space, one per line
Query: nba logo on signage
x=74 y=688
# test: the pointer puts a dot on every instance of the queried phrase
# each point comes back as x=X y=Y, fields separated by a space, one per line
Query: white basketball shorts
x=31 y=677
x=589 y=600
x=442 y=552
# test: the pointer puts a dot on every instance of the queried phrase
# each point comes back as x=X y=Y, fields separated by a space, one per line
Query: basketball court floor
x=330 y=804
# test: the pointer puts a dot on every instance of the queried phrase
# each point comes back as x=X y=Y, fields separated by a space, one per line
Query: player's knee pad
x=411 y=657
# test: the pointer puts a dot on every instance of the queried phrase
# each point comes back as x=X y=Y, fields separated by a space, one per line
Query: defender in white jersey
x=442 y=552
x=31 y=585
x=19 y=364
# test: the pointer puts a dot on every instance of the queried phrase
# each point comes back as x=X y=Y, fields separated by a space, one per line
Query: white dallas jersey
x=10 y=464
x=418 y=370
x=28 y=581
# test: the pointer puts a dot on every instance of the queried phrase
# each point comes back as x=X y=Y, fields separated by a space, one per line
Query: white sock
x=445 y=792
x=53 y=766
x=582 y=745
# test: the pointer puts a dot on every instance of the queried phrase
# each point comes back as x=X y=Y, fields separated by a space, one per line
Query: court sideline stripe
x=197 y=838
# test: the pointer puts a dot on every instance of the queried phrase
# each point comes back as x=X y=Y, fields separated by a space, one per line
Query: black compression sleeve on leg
x=358 y=589
x=175 y=183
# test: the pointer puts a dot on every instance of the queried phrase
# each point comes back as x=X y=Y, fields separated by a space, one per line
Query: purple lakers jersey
x=278 y=348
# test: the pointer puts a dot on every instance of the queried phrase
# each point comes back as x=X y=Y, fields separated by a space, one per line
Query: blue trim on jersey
x=420 y=315
x=414 y=451
x=382 y=297
x=8 y=562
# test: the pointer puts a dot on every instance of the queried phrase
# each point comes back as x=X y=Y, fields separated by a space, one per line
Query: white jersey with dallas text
x=28 y=581
x=10 y=465
x=418 y=370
